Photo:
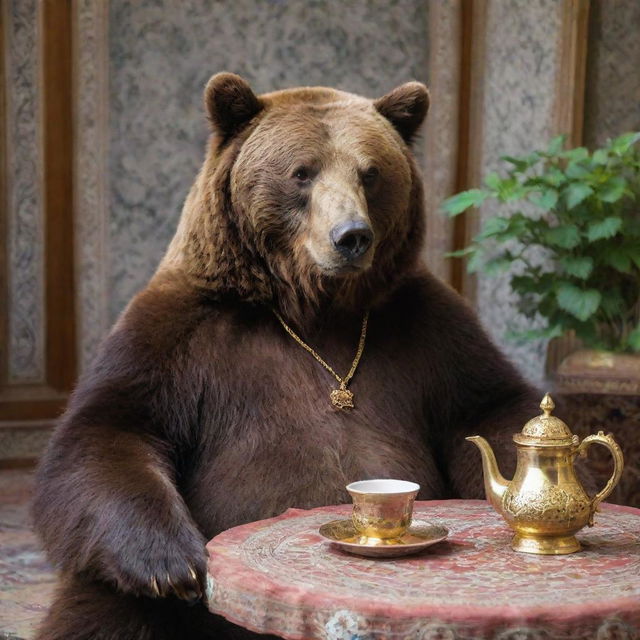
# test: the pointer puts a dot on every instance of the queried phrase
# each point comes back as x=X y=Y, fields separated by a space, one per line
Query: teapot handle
x=618 y=464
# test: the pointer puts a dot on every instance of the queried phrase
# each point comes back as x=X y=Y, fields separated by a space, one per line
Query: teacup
x=382 y=508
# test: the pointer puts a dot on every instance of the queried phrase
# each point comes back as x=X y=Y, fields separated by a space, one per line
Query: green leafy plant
x=569 y=231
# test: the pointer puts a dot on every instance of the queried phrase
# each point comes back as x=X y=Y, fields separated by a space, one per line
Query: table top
x=280 y=576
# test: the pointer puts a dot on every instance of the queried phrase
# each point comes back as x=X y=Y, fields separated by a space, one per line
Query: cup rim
x=376 y=486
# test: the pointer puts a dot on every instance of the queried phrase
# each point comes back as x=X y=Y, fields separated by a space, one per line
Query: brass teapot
x=545 y=504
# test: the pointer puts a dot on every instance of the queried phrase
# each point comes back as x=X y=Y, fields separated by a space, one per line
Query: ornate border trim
x=24 y=197
x=91 y=122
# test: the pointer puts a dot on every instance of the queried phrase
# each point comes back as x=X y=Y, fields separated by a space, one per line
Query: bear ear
x=230 y=103
x=405 y=107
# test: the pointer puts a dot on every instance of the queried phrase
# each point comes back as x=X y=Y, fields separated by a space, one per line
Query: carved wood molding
x=37 y=364
x=453 y=130
x=473 y=61
x=90 y=73
x=442 y=130
x=572 y=63
x=569 y=117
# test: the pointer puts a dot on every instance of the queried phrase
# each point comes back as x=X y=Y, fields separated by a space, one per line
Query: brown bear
x=202 y=412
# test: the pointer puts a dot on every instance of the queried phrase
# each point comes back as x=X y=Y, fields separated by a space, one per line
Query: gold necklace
x=341 y=397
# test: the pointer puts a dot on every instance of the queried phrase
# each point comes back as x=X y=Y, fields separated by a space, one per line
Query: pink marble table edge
x=505 y=614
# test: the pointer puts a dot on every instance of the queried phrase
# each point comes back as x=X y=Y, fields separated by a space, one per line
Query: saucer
x=420 y=535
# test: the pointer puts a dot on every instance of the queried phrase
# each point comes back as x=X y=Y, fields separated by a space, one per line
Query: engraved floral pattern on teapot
x=545 y=503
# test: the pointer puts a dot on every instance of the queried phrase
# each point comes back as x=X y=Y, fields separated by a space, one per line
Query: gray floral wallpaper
x=612 y=97
x=25 y=221
x=161 y=53
x=521 y=59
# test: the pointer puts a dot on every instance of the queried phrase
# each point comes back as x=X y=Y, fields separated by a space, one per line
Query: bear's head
x=307 y=196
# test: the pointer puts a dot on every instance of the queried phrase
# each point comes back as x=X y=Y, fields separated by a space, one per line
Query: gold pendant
x=342 y=398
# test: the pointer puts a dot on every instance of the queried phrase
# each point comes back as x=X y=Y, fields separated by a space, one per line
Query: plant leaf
x=493 y=181
x=554 y=177
x=632 y=227
x=613 y=189
x=576 y=192
x=576 y=171
x=475 y=262
x=580 y=267
x=587 y=332
x=606 y=228
x=576 y=155
x=600 y=157
x=578 y=302
x=547 y=200
x=462 y=201
x=524 y=284
x=566 y=236
x=461 y=252
x=621 y=144
x=633 y=339
x=521 y=164
x=612 y=301
x=618 y=259
x=555 y=145
x=510 y=189
x=496 y=266
x=493 y=227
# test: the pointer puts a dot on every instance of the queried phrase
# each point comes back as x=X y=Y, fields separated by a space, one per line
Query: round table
x=280 y=576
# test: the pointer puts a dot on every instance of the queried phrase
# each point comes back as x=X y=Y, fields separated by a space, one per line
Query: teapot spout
x=494 y=484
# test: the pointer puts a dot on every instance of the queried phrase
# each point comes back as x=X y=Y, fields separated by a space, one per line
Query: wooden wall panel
x=442 y=130
x=58 y=162
x=570 y=79
x=469 y=171
x=569 y=117
x=453 y=130
x=24 y=399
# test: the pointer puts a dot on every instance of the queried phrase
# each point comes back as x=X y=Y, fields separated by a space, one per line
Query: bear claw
x=154 y=586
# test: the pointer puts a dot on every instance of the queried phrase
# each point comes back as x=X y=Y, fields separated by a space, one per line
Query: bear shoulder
x=164 y=315
x=468 y=371
x=435 y=306
x=144 y=371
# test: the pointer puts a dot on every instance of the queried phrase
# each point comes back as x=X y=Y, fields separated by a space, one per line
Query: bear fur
x=200 y=413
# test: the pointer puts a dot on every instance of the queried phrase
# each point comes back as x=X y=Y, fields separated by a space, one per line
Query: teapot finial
x=545 y=429
x=547 y=404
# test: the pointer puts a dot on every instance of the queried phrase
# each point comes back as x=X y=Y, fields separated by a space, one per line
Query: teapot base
x=545 y=545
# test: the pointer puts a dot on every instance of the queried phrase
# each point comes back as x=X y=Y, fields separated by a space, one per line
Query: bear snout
x=352 y=239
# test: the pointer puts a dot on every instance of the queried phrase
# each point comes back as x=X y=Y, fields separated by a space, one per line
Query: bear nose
x=352 y=239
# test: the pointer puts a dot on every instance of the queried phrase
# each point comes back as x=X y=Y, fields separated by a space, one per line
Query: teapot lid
x=545 y=429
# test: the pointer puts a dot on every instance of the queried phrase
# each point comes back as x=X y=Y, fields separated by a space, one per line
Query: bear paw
x=155 y=567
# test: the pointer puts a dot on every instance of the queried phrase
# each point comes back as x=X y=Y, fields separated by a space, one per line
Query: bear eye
x=302 y=174
x=370 y=176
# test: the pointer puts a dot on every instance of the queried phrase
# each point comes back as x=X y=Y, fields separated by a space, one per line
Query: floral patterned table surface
x=280 y=576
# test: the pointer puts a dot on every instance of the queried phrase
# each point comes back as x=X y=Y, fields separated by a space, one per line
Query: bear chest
x=273 y=439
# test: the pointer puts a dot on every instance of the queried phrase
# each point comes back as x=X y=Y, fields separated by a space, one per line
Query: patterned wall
x=612 y=104
x=25 y=222
x=161 y=54
x=520 y=73
x=141 y=66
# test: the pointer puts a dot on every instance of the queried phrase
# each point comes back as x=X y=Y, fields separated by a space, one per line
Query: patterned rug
x=26 y=580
